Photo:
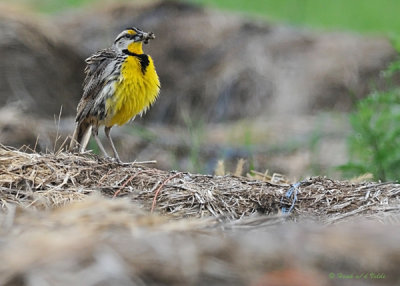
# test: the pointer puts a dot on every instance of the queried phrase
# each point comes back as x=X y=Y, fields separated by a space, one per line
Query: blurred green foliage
x=374 y=144
x=357 y=15
x=196 y=140
x=50 y=6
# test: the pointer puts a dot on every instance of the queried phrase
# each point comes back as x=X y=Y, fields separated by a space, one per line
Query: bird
x=121 y=82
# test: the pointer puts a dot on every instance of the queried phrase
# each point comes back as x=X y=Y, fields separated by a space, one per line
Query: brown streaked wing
x=100 y=68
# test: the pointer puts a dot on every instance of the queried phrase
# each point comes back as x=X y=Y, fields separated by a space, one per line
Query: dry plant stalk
x=239 y=168
x=220 y=169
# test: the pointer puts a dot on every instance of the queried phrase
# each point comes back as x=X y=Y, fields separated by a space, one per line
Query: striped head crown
x=132 y=35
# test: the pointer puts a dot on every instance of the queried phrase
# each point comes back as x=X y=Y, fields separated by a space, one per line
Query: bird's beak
x=147 y=36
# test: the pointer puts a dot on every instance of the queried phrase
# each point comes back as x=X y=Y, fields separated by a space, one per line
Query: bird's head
x=131 y=39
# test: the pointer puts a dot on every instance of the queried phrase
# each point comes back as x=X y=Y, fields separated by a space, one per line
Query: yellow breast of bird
x=135 y=91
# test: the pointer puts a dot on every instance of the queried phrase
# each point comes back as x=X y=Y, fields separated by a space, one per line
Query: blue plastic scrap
x=292 y=191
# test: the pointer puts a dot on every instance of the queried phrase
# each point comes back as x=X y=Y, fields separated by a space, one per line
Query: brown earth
x=39 y=72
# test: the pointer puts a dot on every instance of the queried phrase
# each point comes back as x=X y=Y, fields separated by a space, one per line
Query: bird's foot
x=111 y=159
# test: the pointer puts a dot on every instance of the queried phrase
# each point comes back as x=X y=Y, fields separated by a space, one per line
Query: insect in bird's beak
x=148 y=36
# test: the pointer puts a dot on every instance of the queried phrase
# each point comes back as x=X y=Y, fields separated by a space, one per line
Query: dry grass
x=60 y=225
x=35 y=180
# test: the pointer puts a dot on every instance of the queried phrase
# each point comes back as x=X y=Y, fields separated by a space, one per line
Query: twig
x=138 y=163
x=60 y=149
x=57 y=123
x=160 y=187
x=105 y=176
x=126 y=182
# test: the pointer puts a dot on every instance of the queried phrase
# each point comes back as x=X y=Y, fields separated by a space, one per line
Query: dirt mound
x=218 y=66
x=62 y=177
x=57 y=229
x=39 y=72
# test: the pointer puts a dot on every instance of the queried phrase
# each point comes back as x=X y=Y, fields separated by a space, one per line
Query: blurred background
x=297 y=87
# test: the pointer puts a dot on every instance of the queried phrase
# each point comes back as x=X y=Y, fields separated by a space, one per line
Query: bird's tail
x=81 y=136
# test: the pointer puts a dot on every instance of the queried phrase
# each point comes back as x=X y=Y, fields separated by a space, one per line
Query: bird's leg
x=95 y=133
x=107 y=132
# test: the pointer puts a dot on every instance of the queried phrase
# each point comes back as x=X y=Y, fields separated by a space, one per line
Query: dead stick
x=126 y=182
x=138 y=163
x=159 y=189
x=105 y=176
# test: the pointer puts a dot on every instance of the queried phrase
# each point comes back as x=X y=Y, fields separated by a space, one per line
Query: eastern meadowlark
x=121 y=82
